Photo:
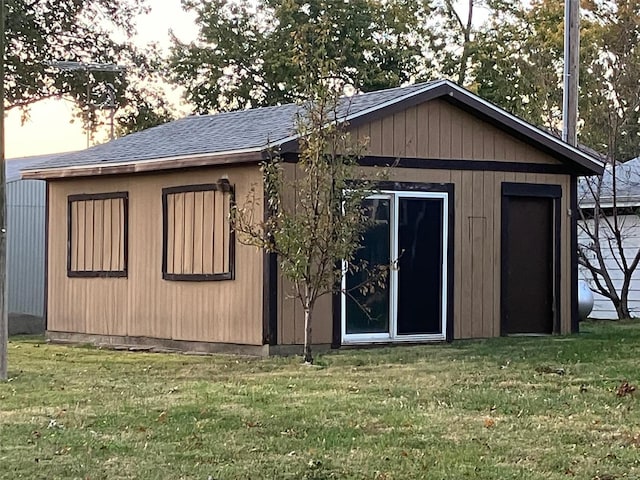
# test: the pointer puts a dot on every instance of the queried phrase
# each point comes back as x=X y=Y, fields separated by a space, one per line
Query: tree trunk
x=622 y=308
x=306 y=355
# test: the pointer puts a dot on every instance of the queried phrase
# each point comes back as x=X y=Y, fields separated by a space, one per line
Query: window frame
x=222 y=185
x=83 y=197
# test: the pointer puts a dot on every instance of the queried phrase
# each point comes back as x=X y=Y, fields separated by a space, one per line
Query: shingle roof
x=627 y=186
x=222 y=132
x=13 y=166
x=251 y=131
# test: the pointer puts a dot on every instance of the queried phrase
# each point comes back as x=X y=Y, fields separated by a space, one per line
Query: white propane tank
x=585 y=300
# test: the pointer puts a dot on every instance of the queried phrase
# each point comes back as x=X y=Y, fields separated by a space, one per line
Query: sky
x=51 y=127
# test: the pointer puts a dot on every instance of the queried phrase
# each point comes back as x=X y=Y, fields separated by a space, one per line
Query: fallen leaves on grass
x=62 y=451
x=547 y=369
x=625 y=389
x=489 y=423
x=633 y=440
x=54 y=424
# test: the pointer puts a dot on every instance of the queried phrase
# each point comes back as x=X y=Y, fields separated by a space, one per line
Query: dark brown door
x=528 y=265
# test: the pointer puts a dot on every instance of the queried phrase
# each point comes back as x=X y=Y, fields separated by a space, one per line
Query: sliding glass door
x=408 y=234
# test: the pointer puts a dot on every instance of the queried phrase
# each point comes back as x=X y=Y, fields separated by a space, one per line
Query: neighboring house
x=25 y=247
x=628 y=204
x=140 y=249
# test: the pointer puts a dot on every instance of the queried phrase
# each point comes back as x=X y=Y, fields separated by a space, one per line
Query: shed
x=628 y=206
x=25 y=247
x=140 y=249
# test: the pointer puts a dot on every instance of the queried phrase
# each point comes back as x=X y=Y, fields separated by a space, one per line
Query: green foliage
x=611 y=100
x=42 y=32
x=519 y=61
x=315 y=215
x=145 y=108
x=247 y=53
x=518 y=64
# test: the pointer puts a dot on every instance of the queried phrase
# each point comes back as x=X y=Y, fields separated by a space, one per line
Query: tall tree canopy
x=42 y=32
x=246 y=53
x=517 y=63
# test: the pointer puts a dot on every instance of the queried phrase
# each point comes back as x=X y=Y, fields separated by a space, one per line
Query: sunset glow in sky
x=49 y=128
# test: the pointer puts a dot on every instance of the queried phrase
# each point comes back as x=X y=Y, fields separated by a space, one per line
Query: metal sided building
x=482 y=206
x=25 y=247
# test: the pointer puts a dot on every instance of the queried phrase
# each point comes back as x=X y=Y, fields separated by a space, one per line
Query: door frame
x=554 y=192
x=395 y=191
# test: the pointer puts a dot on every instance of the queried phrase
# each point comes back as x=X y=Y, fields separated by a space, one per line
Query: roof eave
x=152 y=165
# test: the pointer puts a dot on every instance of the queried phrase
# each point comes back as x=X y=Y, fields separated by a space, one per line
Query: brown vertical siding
x=477 y=248
x=143 y=304
x=477 y=256
x=289 y=311
x=97 y=241
x=439 y=130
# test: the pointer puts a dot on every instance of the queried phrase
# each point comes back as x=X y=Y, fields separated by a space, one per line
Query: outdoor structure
x=479 y=216
x=628 y=205
x=25 y=247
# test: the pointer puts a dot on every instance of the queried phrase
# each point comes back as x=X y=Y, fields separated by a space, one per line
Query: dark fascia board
x=584 y=163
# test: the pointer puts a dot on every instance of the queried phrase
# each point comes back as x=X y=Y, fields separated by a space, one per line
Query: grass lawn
x=477 y=409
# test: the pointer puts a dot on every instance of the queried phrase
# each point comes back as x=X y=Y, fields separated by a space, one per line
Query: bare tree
x=607 y=223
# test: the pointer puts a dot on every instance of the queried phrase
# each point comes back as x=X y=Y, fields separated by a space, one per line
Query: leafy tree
x=42 y=32
x=313 y=233
x=518 y=64
x=452 y=37
x=612 y=124
x=245 y=54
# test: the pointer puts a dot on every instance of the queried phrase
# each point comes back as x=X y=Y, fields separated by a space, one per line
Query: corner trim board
x=573 y=187
x=47 y=204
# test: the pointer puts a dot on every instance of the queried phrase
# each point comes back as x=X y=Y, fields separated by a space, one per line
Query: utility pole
x=571 y=71
x=4 y=321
